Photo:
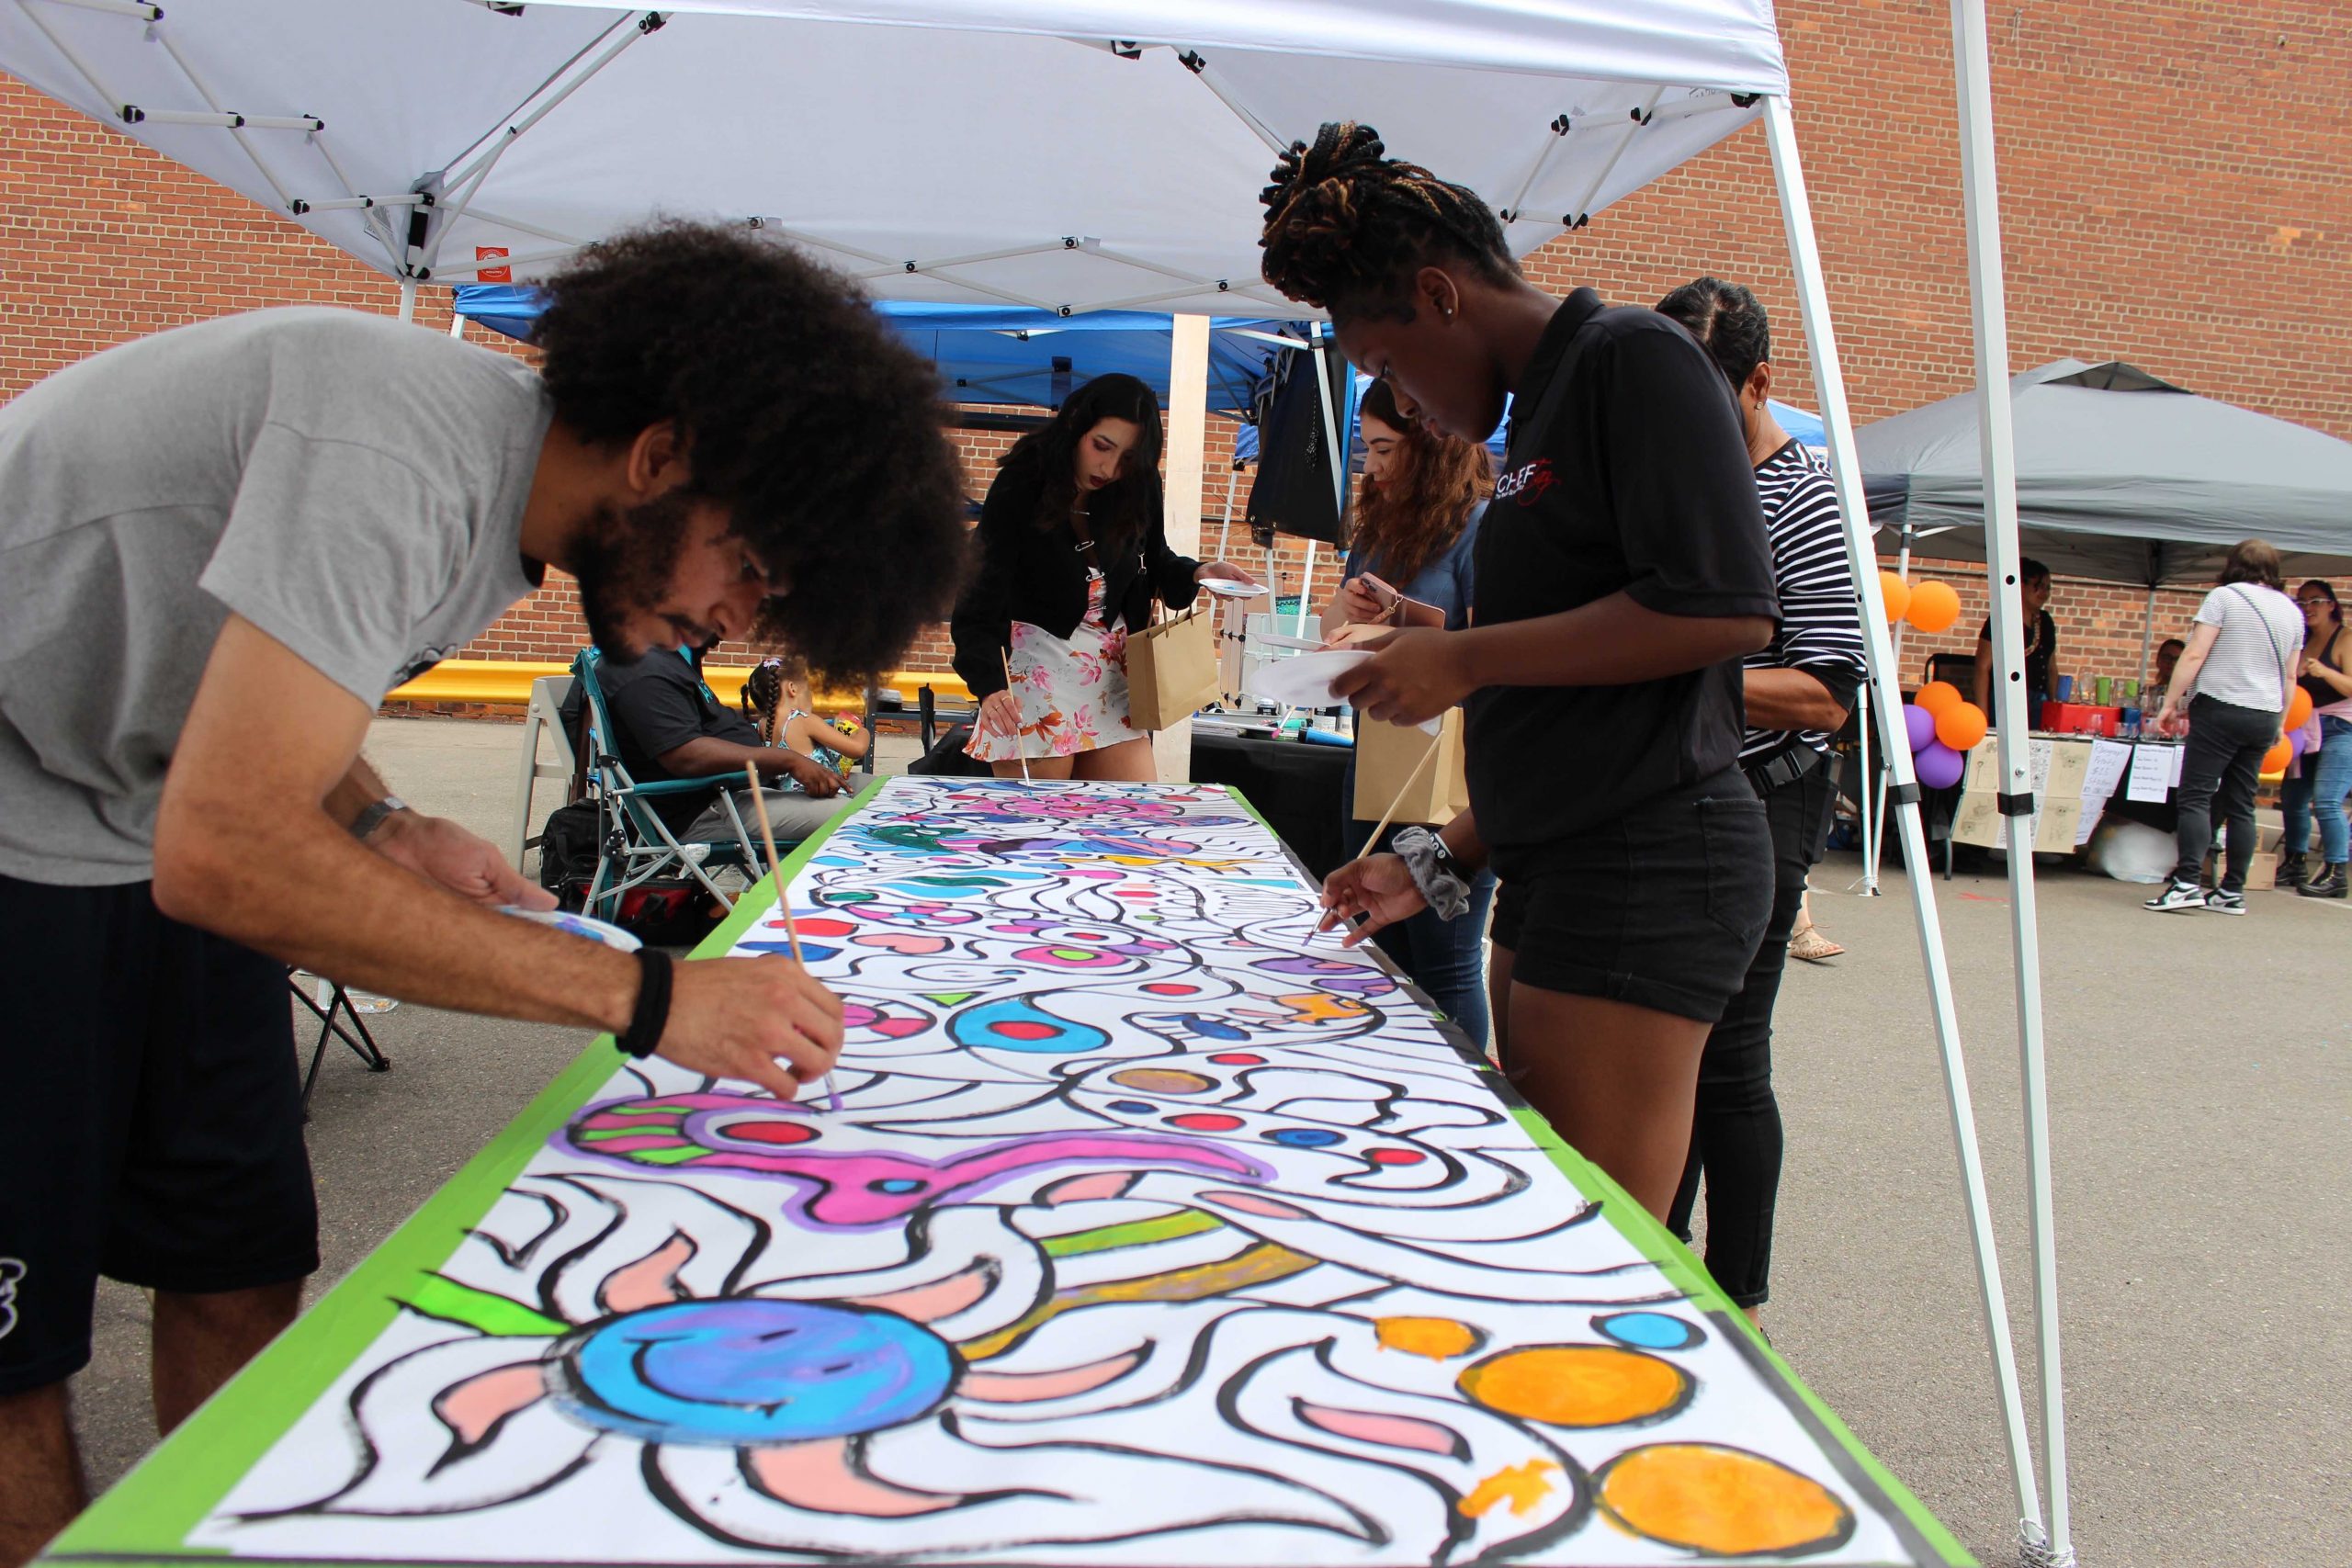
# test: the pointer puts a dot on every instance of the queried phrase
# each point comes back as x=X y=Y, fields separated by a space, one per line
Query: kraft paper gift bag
x=1172 y=669
x=1388 y=756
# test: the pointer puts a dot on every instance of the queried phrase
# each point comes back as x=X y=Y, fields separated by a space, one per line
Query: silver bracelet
x=1446 y=892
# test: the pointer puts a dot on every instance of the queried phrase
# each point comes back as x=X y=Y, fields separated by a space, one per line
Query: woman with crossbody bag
x=2240 y=664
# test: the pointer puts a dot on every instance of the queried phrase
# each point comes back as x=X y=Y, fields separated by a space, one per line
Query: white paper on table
x=2151 y=777
x=1306 y=680
x=2179 y=762
x=2109 y=759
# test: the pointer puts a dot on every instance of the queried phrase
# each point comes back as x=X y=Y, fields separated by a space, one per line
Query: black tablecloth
x=1297 y=786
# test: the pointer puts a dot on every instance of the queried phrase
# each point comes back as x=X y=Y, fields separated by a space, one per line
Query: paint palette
x=574 y=924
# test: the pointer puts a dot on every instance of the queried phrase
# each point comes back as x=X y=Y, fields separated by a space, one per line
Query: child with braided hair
x=1621 y=571
x=776 y=697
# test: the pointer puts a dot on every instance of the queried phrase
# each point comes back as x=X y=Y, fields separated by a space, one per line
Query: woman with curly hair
x=1410 y=564
x=1622 y=573
x=1073 y=556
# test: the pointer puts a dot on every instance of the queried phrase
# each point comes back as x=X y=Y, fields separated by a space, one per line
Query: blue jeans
x=1444 y=958
x=2328 y=788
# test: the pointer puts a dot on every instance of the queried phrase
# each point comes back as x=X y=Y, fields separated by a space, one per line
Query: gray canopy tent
x=2122 y=478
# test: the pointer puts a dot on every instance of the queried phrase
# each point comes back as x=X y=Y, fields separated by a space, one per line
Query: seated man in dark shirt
x=669 y=725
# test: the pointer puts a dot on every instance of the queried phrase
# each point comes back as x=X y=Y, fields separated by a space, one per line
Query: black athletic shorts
x=1661 y=909
x=153 y=1129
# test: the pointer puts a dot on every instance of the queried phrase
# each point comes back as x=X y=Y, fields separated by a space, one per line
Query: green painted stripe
x=598 y=1135
x=684 y=1155
x=1104 y=1238
x=437 y=1295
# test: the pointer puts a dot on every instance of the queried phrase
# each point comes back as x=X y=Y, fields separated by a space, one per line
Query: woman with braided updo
x=1621 y=571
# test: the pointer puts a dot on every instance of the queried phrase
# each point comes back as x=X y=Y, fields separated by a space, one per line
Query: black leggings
x=1735 y=1129
x=2223 y=765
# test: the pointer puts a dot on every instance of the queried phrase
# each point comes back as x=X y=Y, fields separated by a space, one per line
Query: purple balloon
x=1938 y=765
x=1920 y=725
x=2295 y=744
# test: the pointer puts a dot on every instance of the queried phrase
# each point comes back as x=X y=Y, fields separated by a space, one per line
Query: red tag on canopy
x=493 y=274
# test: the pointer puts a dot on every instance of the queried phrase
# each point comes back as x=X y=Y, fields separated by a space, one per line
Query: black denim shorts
x=1661 y=909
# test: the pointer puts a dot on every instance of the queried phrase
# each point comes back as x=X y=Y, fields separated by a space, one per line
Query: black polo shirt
x=1627 y=470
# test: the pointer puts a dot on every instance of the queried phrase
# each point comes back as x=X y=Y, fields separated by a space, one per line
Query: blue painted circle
x=719 y=1374
x=1304 y=1137
x=1650 y=1330
x=894 y=1184
x=1134 y=1106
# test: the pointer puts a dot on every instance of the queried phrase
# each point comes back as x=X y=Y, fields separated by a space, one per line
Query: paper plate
x=1232 y=587
x=577 y=925
x=1305 y=681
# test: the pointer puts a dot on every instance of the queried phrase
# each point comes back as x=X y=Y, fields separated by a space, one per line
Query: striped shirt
x=1821 y=627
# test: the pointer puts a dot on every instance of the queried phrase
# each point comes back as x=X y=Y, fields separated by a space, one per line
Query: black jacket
x=1038 y=575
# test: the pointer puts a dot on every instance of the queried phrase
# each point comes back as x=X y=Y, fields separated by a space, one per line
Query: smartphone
x=1379 y=590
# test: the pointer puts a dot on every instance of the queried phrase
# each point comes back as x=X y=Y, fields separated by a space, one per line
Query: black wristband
x=651 y=1014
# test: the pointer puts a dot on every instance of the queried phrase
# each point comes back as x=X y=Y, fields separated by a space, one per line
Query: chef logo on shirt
x=418 y=663
x=1526 y=485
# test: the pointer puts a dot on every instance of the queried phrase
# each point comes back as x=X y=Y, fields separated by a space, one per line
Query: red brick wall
x=2172 y=179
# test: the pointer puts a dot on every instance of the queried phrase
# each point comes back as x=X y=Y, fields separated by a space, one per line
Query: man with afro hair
x=222 y=546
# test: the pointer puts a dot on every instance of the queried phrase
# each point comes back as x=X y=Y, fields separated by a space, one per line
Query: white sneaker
x=2222 y=903
x=2175 y=898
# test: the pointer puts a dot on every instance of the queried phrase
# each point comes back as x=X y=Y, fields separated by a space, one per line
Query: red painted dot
x=770 y=1132
x=1396 y=1156
x=1205 y=1122
x=1130 y=893
x=1016 y=1031
x=1167 y=990
x=1237 y=1059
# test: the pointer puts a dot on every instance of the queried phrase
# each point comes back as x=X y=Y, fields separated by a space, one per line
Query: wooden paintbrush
x=783 y=899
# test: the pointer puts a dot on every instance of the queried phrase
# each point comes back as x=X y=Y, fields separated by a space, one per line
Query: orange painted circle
x=1577 y=1385
x=1163 y=1080
x=1705 y=1498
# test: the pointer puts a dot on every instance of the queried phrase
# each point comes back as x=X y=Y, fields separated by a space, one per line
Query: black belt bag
x=1785 y=766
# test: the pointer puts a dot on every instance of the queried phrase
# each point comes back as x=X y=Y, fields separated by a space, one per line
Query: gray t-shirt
x=2261 y=632
x=353 y=486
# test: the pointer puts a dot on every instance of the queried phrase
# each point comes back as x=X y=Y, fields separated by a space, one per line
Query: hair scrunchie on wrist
x=651 y=1016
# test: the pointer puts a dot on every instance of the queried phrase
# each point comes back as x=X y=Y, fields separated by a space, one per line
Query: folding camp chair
x=338 y=1006
x=634 y=845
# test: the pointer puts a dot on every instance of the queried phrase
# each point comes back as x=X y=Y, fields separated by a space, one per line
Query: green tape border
x=146 y=1517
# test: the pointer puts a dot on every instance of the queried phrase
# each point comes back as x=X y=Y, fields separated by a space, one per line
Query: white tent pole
x=1971 y=70
x=1225 y=530
x=408 y=300
x=1812 y=300
x=1339 y=462
x=1868 y=790
x=1187 y=446
x=457 y=325
x=1878 y=842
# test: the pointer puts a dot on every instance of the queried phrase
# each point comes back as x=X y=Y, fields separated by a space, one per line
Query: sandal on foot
x=1812 y=946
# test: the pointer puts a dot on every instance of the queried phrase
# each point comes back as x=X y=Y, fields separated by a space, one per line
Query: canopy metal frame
x=436 y=200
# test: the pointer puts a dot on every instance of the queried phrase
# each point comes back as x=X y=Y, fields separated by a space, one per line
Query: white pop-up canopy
x=1059 y=156
x=1068 y=155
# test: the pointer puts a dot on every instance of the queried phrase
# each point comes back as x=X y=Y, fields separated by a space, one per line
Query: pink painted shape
x=472 y=1407
x=1028 y=1388
x=900 y=1027
x=1389 y=1431
x=1252 y=1203
x=815 y=1475
x=903 y=942
x=651 y=1280
x=1082 y=1188
x=928 y=1303
x=845 y=1181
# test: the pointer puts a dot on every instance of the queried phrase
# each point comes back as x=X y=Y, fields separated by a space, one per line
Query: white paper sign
x=2108 y=760
x=2152 y=773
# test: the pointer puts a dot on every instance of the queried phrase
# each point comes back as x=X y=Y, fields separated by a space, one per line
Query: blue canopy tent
x=1009 y=354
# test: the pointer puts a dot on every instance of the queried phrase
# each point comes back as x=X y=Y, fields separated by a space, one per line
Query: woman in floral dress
x=1073 y=556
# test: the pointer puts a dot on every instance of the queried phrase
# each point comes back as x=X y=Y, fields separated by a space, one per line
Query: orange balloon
x=1938 y=695
x=2299 y=709
x=1961 y=726
x=1896 y=593
x=2275 y=761
x=1934 y=606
